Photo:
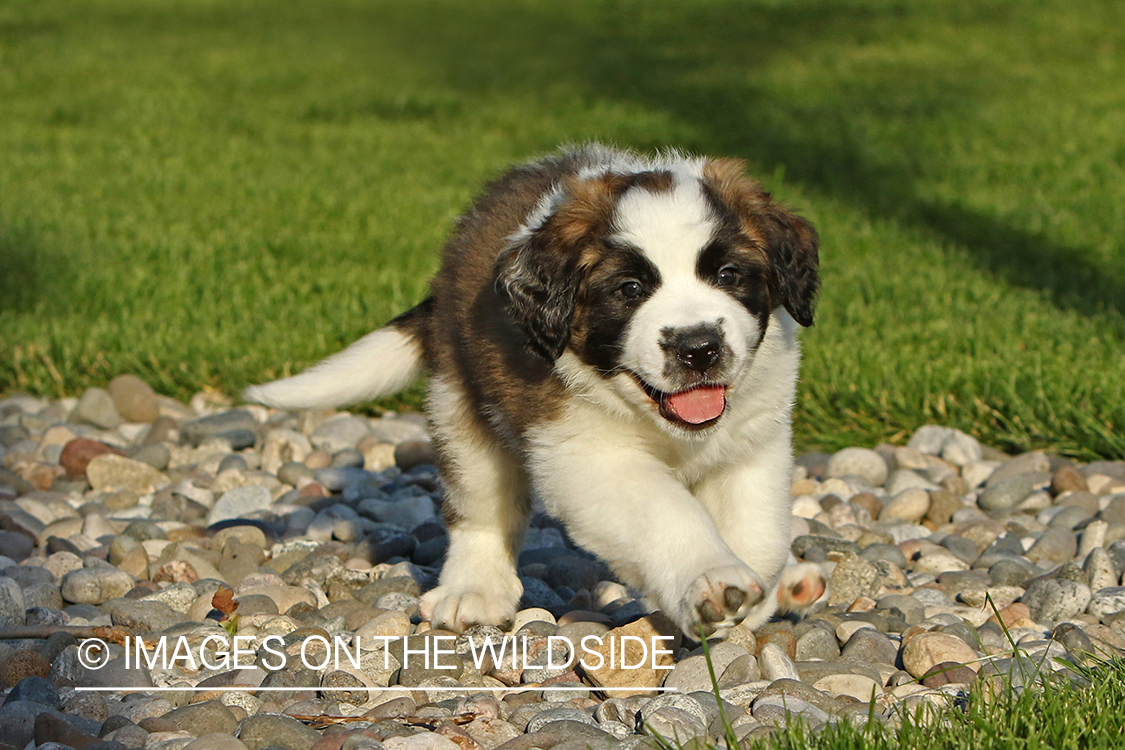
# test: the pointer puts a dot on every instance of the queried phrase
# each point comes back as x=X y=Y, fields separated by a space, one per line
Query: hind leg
x=486 y=510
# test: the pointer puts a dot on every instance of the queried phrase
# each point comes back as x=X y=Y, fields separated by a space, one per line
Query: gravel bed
x=270 y=542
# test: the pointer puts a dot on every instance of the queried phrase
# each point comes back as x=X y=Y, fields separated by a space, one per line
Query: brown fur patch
x=590 y=203
x=727 y=177
x=790 y=242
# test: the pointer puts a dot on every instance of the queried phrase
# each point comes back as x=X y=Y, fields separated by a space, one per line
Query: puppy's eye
x=631 y=289
x=728 y=276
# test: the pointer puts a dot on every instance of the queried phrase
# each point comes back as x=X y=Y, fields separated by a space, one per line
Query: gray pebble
x=912 y=609
x=818 y=643
x=239 y=503
x=537 y=594
x=195 y=431
x=964 y=549
x=340 y=433
x=155 y=455
x=267 y=730
x=885 y=552
x=676 y=724
x=852 y=578
x=775 y=665
x=932 y=597
x=1028 y=463
x=859 y=462
x=905 y=479
x=560 y=713
x=1099 y=570
x=96 y=408
x=1070 y=517
x=740 y=671
x=961 y=449
x=348 y=457
x=776 y=710
x=1010 y=572
x=1056 y=546
x=1054 y=600
x=930 y=439
x=95 y=585
x=12 y=606
x=802 y=545
x=336 y=478
x=1107 y=602
x=1006 y=493
x=233 y=461
x=292 y=472
x=869 y=646
x=144 y=616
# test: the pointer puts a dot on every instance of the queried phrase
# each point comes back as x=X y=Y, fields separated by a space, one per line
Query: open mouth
x=694 y=408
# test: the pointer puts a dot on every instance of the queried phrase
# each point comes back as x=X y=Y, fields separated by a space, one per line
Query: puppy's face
x=667 y=280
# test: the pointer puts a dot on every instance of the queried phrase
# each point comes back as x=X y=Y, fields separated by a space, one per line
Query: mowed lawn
x=210 y=194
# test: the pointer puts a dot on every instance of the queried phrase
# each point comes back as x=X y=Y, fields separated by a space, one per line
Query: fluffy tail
x=382 y=362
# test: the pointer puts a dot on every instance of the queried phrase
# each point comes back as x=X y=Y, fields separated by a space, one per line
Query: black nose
x=698 y=349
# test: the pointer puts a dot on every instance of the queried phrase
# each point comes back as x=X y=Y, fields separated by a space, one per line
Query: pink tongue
x=697 y=405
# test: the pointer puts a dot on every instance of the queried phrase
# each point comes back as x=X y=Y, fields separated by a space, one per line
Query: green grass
x=1061 y=717
x=211 y=193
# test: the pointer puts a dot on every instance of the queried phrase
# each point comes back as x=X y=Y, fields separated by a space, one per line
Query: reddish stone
x=948 y=673
x=77 y=454
x=782 y=638
x=1068 y=479
x=313 y=489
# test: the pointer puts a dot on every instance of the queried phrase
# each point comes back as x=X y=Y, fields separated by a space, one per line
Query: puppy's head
x=665 y=278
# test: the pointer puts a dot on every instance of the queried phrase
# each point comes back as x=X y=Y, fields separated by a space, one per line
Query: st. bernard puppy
x=617 y=335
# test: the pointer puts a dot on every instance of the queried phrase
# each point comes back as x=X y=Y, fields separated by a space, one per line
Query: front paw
x=456 y=607
x=801 y=586
x=719 y=599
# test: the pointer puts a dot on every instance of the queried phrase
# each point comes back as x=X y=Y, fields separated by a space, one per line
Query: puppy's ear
x=539 y=274
x=539 y=286
x=791 y=242
x=794 y=262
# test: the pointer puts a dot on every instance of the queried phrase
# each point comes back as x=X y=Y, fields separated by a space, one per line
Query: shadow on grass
x=697 y=63
x=23 y=276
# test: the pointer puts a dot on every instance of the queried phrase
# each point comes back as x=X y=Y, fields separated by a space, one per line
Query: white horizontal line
x=249 y=689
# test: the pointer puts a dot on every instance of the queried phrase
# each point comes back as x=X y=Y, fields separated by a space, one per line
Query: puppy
x=616 y=334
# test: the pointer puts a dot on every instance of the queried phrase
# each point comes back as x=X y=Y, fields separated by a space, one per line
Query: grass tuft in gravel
x=1064 y=716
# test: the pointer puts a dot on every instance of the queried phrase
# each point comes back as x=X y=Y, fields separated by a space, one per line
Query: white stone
x=775 y=664
x=976 y=473
x=837 y=487
x=909 y=505
x=1099 y=568
x=534 y=614
x=420 y=741
x=240 y=502
x=282 y=446
x=856 y=686
x=860 y=462
x=397 y=430
x=930 y=439
x=904 y=479
x=1107 y=601
x=939 y=563
x=806 y=506
x=961 y=449
x=848 y=628
x=391 y=624
x=344 y=431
